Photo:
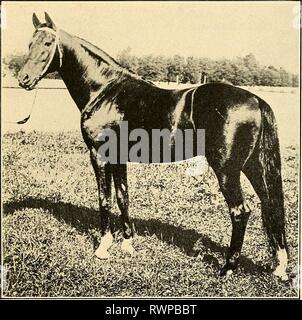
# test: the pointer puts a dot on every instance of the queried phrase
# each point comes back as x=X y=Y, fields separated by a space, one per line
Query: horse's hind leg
x=119 y=172
x=229 y=181
x=266 y=181
x=103 y=178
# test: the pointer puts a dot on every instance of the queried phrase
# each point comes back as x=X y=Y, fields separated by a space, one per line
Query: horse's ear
x=49 y=22
x=36 y=21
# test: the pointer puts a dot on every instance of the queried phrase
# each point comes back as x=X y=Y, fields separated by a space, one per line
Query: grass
x=51 y=228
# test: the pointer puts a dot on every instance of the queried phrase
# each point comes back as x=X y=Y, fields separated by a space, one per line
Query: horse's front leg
x=119 y=172
x=103 y=176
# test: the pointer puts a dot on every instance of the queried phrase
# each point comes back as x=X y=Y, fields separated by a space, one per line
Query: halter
x=57 y=45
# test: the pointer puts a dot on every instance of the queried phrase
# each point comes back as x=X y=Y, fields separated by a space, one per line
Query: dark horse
x=240 y=132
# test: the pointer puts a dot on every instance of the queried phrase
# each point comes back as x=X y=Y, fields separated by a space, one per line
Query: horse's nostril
x=25 y=77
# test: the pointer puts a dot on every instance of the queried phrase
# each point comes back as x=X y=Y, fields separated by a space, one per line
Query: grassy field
x=50 y=228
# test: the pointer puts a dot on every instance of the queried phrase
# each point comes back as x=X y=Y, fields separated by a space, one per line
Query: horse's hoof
x=127 y=246
x=227 y=271
x=102 y=254
x=281 y=275
x=280 y=270
x=106 y=242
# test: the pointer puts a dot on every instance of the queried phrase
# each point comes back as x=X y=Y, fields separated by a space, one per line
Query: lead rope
x=28 y=117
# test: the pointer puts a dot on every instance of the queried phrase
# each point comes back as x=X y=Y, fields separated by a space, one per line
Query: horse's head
x=44 y=55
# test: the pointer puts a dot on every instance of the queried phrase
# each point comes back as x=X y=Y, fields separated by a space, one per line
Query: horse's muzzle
x=25 y=81
x=28 y=84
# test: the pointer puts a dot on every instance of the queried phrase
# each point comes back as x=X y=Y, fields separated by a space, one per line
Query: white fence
x=10 y=82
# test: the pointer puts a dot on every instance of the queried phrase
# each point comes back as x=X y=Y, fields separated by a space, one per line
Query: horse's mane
x=99 y=54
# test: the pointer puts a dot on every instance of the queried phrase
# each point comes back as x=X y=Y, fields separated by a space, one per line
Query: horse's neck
x=86 y=72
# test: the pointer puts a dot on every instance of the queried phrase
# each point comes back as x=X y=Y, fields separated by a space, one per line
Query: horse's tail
x=270 y=160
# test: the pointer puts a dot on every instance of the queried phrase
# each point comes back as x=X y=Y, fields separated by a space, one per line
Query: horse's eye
x=47 y=44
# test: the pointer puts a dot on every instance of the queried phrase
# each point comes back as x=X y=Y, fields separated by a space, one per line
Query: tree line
x=240 y=71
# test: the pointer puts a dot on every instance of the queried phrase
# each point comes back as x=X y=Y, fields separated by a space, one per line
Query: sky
x=203 y=29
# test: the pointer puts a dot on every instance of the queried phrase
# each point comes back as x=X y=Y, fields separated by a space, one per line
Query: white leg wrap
x=106 y=242
x=127 y=246
x=280 y=270
x=229 y=273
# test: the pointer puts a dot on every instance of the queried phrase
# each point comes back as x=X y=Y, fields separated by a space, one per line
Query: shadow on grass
x=85 y=219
